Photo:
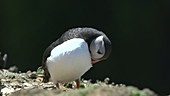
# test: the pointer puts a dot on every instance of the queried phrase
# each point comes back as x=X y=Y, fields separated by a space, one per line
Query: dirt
x=30 y=84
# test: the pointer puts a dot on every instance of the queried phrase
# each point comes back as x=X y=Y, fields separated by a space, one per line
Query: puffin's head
x=100 y=48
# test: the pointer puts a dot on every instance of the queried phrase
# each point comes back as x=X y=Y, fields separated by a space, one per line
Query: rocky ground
x=30 y=84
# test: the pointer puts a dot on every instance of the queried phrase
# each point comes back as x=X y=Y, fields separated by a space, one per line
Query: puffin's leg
x=77 y=83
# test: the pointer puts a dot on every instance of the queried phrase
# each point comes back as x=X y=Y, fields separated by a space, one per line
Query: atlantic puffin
x=73 y=54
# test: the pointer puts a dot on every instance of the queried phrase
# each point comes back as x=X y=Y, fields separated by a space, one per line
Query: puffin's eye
x=99 y=52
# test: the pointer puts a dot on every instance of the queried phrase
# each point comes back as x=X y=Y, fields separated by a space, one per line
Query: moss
x=136 y=92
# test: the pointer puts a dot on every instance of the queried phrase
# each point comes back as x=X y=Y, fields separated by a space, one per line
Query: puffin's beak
x=94 y=62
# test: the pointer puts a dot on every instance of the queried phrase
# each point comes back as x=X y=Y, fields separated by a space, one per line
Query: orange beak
x=94 y=62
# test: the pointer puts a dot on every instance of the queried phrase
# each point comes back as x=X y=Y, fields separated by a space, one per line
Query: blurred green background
x=138 y=29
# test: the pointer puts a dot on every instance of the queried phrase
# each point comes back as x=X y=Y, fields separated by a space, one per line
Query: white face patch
x=97 y=48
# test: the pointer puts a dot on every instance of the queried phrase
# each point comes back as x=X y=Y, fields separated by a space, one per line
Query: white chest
x=69 y=61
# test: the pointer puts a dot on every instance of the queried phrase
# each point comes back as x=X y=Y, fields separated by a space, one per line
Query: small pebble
x=7 y=91
x=13 y=69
